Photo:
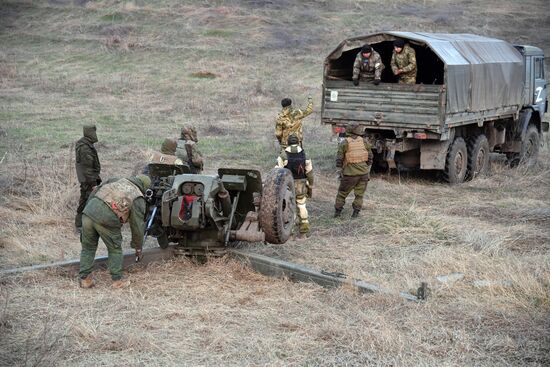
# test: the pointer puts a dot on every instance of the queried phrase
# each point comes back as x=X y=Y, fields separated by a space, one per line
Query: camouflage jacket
x=100 y=212
x=194 y=160
x=87 y=161
x=289 y=121
x=405 y=60
x=368 y=69
x=353 y=169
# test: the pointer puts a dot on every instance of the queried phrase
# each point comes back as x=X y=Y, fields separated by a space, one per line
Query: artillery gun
x=203 y=214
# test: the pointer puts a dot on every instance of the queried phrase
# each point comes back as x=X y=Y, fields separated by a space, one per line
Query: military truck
x=202 y=214
x=473 y=95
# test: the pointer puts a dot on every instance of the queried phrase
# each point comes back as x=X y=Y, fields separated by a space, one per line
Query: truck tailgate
x=386 y=105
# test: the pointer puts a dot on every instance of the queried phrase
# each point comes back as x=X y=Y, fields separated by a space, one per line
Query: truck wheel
x=278 y=206
x=530 y=147
x=163 y=240
x=478 y=156
x=456 y=163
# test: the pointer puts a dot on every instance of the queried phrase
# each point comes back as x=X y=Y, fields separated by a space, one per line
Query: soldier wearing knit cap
x=403 y=62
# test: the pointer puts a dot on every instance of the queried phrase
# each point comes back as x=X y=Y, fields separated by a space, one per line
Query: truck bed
x=386 y=105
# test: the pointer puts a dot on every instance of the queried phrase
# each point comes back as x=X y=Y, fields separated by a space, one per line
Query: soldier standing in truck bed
x=88 y=168
x=353 y=162
x=115 y=202
x=289 y=121
x=403 y=62
x=368 y=66
x=294 y=159
x=187 y=149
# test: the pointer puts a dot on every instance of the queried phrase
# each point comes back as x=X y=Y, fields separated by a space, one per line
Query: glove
x=139 y=255
x=309 y=192
x=356 y=82
x=98 y=182
x=376 y=81
x=309 y=98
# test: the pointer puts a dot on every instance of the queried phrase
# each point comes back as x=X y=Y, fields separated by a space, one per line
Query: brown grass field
x=139 y=71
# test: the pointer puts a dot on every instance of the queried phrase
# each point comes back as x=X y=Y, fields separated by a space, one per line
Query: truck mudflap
x=432 y=152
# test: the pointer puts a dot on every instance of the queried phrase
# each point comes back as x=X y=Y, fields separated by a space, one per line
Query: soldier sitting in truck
x=368 y=66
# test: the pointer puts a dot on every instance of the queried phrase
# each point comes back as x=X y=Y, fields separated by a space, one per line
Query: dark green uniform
x=87 y=168
x=102 y=218
x=355 y=168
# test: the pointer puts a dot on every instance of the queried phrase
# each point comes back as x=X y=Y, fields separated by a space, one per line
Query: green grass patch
x=218 y=33
x=114 y=17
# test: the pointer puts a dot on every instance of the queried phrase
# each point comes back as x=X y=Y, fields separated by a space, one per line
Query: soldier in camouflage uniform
x=112 y=204
x=87 y=168
x=294 y=158
x=167 y=156
x=403 y=62
x=368 y=66
x=289 y=121
x=353 y=161
x=188 y=151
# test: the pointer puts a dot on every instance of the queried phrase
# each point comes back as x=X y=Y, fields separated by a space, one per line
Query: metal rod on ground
x=299 y=273
x=262 y=264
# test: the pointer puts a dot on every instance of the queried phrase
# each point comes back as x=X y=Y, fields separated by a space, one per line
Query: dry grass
x=182 y=314
x=140 y=70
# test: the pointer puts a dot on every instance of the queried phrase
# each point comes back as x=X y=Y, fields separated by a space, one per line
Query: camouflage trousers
x=407 y=79
x=357 y=184
x=85 y=191
x=301 y=198
x=89 y=237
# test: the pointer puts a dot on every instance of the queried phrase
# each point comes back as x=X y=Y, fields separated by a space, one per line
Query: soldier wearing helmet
x=188 y=151
x=113 y=203
x=368 y=66
x=353 y=161
x=289 y=121
x=294 y=159
x=166 y=156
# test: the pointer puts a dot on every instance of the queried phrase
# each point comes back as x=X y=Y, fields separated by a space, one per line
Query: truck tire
x=478 y=156
x=278 y=206
x=162 y=240
x=456 y=163
x=530 y=147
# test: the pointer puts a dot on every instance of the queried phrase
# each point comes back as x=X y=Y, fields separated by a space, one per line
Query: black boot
x=355 y=213
x=337 y=213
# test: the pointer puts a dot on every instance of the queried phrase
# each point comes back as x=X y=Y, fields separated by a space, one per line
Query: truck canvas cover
x=481 y=73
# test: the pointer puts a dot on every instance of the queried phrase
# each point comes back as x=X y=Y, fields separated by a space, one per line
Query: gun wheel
x=278 y=206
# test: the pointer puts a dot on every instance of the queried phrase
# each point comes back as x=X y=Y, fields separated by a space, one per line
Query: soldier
x=403 y=62
x=87 y=169
x=294 y=158
x=112 y=204
x=289 y=121
x=353 y=161
x=167 y=153
x=368 y=66
x=188 y=151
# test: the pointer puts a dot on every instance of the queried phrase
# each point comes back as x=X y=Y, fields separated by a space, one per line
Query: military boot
x=337 y=213
x=121 y=283
x=87 y=282
x=355 y=213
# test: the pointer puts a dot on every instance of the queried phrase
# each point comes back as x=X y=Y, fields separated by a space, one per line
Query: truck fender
x=523 y=121
x=433 y=154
